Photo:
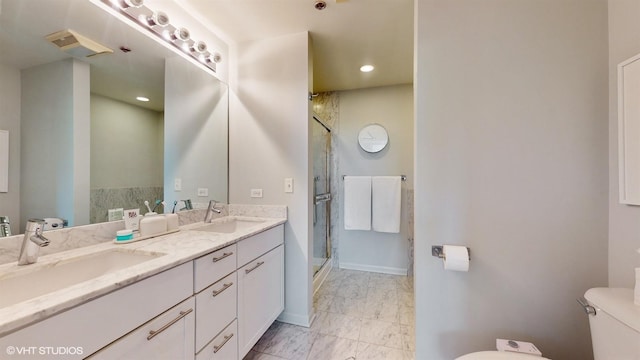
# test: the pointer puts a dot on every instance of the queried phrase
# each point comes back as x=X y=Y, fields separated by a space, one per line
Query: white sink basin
x=35 y=280
x=229 y=226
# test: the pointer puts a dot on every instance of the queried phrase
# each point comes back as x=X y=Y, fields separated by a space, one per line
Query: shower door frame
x=325 y=197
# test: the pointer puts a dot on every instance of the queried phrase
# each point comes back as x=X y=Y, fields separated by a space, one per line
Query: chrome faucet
x=210 y=210
x=32 y=242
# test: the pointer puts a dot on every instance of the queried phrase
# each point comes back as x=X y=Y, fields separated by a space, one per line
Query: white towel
x=357 y=202
x=386 y=203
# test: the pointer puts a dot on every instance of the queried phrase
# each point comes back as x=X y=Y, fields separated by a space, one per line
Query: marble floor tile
x=254 y=355
x=327 y=347
x=359 y=315
x=406 y=298
x=408 y=337
x=354 y=276
x=322 y=302
x=406 y=315
x=389 y=295
x=386 y=282
x=268 y=335
x=329 y=287
x=376 y=352
x=353 y=290
x=381 y=333
x=346 y=306
x=289 y=342
x=344 y=326
x=381 y=310
x=405 y=283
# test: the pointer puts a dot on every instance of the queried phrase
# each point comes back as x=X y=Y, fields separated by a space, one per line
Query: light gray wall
x=55 y=142
x=511 y=160
x=10 y=120
x=195 y=133
x=624 y=220
x=126 y=145
x=391 y=107
x=269 y=141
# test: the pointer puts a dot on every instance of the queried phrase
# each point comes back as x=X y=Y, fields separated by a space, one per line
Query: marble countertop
x=175 y=249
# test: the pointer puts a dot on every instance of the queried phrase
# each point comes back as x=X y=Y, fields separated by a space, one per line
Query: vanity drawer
x=213 y=267
x=255 y=246
x=223 y=347
x=168 y=336
x=215 y=309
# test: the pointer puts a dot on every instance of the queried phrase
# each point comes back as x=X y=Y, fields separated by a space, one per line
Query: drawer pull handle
x=217 y=348
x=224 y=287
x=153 y=333
x=246 y=271
x=224 y=255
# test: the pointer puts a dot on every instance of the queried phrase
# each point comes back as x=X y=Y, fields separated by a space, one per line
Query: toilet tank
x=615 y=328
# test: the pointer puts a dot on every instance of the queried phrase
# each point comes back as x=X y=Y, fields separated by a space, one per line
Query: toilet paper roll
x=456 y=258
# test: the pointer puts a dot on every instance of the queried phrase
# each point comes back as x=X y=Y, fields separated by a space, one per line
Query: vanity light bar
x=157 y=22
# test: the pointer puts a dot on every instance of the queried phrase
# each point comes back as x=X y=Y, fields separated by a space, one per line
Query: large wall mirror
x=80 y=142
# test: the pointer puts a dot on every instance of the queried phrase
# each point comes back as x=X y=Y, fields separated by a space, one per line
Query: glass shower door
x=321 y=146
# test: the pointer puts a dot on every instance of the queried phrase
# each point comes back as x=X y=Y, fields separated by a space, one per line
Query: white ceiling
x=345 y=35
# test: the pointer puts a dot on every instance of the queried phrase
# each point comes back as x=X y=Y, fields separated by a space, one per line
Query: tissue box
x=523 y=347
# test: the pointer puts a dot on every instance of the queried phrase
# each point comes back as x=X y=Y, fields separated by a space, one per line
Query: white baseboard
x=296 y=319
x=374 y=268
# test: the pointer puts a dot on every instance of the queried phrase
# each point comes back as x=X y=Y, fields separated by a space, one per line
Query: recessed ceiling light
x=142 y=98
x=366 y=68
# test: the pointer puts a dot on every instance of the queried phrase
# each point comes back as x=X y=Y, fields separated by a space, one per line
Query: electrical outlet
x=203 y=192
x=256 y=193
x=177 y=184
x=288 y=185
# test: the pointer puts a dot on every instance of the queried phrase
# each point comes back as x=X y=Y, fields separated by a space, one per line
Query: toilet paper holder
x=437 y=251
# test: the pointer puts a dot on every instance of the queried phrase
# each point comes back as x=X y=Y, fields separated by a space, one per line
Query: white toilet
x=615 y=328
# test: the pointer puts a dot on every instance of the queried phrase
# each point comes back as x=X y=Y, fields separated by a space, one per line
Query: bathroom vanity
x=207 y=292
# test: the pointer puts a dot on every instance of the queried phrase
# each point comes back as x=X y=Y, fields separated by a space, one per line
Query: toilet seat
x=499 y=355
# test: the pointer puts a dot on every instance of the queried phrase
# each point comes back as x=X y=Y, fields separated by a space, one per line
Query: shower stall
x=321 y=156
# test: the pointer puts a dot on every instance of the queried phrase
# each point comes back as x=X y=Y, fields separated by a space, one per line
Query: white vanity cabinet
x=260 y=286
x=168 y=336
x=214 y=307
x=97 y=323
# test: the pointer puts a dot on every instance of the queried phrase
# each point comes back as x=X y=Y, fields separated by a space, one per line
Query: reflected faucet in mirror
x=32 y=241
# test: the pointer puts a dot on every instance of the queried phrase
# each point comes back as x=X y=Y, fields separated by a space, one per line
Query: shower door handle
x=322 y=198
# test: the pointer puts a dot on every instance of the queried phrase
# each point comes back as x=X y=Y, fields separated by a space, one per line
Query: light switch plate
x=256 y=193
x=203 y=192
x=288 y=185
x=177 y=184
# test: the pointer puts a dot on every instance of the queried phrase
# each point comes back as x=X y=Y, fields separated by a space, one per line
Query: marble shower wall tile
x=327 y=107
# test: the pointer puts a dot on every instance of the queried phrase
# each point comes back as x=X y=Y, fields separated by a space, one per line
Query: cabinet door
x=168 y=336
x=260 y=297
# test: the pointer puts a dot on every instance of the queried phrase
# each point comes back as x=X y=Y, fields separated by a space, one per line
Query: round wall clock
x=373 y=138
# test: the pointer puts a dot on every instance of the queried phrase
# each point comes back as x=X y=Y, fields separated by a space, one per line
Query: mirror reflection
x=79 y=141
